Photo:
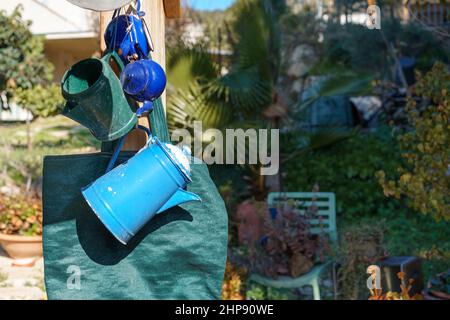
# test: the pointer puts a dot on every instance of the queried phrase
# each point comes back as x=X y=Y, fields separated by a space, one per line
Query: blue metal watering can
x=127 y=197
x=145 y=81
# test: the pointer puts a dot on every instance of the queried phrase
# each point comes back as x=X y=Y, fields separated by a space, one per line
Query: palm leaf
x=258 y=45
x=187 y=106
x=186 y=65
x=243 y=90
x=241 y=94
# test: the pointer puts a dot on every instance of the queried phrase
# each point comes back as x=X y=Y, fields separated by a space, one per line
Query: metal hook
x=136 y=8
x=148 y=35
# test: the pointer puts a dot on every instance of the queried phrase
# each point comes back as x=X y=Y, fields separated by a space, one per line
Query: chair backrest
x=324 y=201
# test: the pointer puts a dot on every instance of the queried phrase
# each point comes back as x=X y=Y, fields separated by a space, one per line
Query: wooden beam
x=105 y=18
x=172 y=9
x=155 y=18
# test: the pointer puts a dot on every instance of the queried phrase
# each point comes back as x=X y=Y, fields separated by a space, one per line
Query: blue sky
x=210 y=4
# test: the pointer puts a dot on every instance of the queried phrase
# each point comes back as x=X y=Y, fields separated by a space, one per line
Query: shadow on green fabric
x=101 y=246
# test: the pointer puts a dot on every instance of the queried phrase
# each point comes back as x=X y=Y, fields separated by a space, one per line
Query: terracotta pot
x=440 y=295
x=437 y=295
x=428 y=296
x=21 y=247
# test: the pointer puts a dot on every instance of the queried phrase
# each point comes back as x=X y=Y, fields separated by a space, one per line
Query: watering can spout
x=178 y=198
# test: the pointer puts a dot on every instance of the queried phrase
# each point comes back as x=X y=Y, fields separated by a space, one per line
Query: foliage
x=397 y=234
x=241 y=94
x=215 y=26
x=357 y=47
x=43 y=101
x=281 y=243
x=22 y=60
x=250 y=216
x=233 y=284
x=216 y=101
x=3 y=278
x=260 y=292
x=303 y=26
x=21 y=167
x=425 y=179
x=186 y=65
x=255 y=26
x=426 y=239
x=346 y=168
x=291 y=245
x=56 y=135
x=20 y=215
x=361 y=245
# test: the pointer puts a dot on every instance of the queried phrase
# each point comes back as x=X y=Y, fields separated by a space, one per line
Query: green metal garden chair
x=326 y=204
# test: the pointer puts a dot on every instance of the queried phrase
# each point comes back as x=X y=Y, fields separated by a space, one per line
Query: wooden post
x=155 y=15
x=172 y=9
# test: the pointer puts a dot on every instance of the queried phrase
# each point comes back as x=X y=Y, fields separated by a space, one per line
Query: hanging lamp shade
x=100 y=5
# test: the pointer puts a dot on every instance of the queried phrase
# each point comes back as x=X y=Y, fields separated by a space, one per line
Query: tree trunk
x=29 y=140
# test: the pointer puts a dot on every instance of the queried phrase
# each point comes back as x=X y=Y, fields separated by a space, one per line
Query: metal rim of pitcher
x=70 y=96
x=186 y=175
x=104 y=60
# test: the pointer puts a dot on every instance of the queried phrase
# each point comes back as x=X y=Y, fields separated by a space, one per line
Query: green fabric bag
x=179 y=254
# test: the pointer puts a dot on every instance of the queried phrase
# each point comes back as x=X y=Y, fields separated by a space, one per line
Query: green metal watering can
x=95 y=98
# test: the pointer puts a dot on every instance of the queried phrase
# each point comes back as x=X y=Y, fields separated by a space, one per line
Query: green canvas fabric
x=179 y=254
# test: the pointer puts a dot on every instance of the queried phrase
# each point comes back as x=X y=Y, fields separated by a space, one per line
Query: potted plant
x=21 y=226
x=285 y=245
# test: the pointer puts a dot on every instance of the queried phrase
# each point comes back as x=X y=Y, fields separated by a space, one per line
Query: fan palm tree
x=201 y=92
x=240 y=98
x=220 y=101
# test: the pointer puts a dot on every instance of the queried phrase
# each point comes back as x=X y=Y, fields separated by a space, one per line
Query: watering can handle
x=119 y=146
x=115 y=56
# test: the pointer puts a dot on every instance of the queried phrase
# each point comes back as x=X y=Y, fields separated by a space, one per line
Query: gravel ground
x=21 y=283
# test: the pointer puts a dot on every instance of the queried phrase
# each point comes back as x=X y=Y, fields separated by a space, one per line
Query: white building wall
x=55 y=18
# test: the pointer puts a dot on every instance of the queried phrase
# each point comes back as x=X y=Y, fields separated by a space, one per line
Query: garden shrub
x=20 y=215
x=233 y=284
x=366 y=240
x=425 y=178
x=24 y=69
x=21 y=166
x=42 y=101
x=361 y=245
x=348 y=169
x=410 y=234
x=355 y=46
x=22 y=59
x=260 y=292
